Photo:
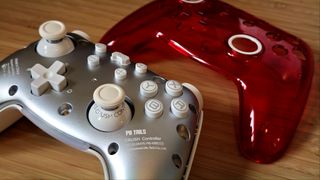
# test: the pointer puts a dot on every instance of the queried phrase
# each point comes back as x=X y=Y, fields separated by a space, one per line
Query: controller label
x=107 y=115
x=138 y=139
x=11 y=68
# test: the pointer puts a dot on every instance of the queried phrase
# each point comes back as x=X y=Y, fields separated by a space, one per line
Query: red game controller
x=272 y=69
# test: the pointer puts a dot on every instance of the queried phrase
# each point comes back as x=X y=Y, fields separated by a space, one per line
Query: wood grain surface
x=28 y=153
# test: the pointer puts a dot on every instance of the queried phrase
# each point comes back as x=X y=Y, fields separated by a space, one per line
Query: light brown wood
x=28 y=153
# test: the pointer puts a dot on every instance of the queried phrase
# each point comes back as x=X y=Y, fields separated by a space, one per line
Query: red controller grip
x=272 y=69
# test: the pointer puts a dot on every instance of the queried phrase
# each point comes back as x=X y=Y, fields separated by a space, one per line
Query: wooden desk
x=28 y=153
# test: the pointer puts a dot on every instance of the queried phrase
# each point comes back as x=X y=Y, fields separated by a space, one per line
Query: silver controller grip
x=9 y=116
x=157 y=139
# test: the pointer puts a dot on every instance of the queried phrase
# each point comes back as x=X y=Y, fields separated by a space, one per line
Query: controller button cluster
x=45 y=78
x=154 y=108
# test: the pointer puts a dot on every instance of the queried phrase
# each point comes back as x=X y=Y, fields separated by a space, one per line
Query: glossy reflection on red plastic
x=273 y=88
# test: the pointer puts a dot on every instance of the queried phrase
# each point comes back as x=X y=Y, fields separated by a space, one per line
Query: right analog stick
x=110 y=112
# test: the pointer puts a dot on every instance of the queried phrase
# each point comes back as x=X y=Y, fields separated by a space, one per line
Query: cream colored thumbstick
x=54 y=42
x=52 y=30
x=110 y=112
x=108 y=96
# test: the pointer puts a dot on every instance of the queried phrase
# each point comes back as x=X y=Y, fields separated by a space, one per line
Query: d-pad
x=45 y=78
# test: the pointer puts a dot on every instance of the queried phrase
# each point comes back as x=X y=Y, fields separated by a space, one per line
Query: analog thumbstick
x=109 y=112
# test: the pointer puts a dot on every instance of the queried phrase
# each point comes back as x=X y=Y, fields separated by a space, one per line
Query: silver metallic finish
x=145 y=145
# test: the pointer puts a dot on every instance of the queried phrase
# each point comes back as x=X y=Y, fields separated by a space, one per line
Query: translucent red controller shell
x=273 y=86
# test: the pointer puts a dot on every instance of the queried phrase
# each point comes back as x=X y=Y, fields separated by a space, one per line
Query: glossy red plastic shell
x=273 y=85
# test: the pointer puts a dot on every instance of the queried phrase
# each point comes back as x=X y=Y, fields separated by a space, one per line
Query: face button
x=173 y=88
x=153 y=108
x=148 y=88
x=179 y=108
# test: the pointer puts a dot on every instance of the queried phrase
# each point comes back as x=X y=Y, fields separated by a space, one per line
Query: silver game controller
x=140 y=125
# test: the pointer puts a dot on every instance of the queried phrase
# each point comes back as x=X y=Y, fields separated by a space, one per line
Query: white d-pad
x=45 y=78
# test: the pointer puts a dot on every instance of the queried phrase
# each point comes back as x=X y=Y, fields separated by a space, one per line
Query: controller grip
x=268 y=119
x=273 y=84
x=8 y=116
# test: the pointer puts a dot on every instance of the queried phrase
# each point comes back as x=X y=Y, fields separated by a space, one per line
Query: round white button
x=179 y=108
x=93 y=60
x=148 y=88
x=120 y=74
x=141 y=68
x=108 y=96
x=153 y=108
x=100 y=48
x=52 y=30
x=173 y=88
